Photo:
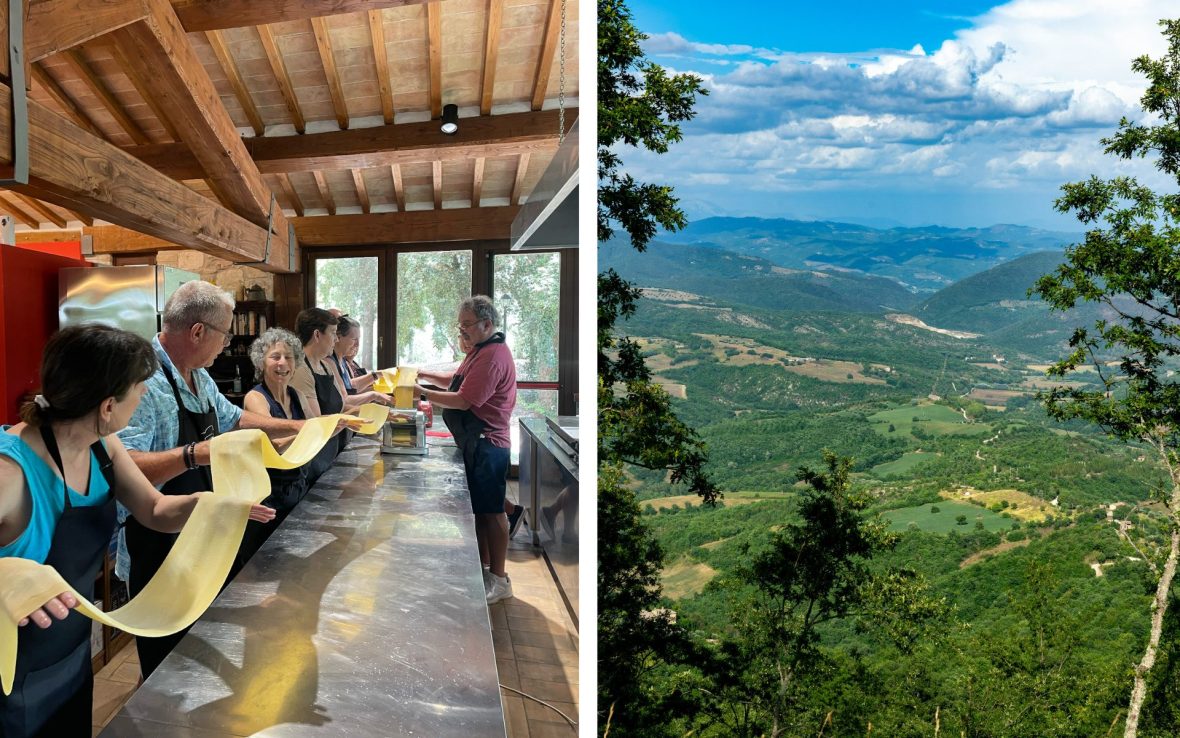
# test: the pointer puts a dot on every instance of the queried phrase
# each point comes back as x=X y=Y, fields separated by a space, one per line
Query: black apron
x=330 y=403
x=53 y=690
x=148 y=548
x=287 y=487
x=463 y=424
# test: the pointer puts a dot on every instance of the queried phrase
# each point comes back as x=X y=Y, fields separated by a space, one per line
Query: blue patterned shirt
x=155 y=424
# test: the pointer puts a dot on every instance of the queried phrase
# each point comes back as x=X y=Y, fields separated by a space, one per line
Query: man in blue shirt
x=169 y=434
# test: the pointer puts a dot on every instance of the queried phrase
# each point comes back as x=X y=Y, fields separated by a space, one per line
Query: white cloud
x=1016 y=102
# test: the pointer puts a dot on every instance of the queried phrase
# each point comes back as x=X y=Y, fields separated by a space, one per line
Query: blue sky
x=906 y=113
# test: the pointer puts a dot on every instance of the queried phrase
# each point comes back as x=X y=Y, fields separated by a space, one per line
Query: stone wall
x=225 y=274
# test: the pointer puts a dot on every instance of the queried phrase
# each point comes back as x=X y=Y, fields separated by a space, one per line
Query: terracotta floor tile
x=125 y=672
x=537 y=712
x=549 y=691
x=109 y=696
x=548 y=672
x=559 y=641
x=537 y=625
x=550 y=730
x=509 y=676
x=514 y=715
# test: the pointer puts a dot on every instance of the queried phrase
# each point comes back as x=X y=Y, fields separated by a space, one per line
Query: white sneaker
x=498 y=588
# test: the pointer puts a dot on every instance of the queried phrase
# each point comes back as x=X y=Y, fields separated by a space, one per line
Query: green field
x=944 y=520
x=937 y=420
x=903 y=465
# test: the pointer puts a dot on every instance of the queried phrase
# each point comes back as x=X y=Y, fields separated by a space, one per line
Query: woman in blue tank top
x=60 y=472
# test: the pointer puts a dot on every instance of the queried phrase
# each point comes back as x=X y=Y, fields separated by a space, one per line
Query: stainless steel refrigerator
x=127 y=297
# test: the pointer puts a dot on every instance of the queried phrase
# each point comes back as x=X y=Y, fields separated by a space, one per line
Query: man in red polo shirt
x=477 y=408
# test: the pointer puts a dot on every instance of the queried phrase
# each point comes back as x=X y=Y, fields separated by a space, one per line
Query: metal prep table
x=362 y=615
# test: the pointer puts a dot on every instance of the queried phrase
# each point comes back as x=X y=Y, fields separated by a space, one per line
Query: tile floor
x=535 y=641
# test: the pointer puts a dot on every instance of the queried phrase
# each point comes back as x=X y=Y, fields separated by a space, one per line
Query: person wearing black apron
x=482 y=438
x=316 y=329
x=149 y=548
x=54 y=662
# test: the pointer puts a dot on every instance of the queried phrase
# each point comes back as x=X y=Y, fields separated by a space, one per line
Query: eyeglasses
x=469 y=323
x=229 y=335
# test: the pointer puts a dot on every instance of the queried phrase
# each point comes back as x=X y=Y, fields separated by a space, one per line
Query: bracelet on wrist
x=190 y=455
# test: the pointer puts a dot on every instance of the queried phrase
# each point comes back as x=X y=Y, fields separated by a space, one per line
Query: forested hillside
x=1025 y=538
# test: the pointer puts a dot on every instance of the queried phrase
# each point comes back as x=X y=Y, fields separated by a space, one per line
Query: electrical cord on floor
x=573 y=724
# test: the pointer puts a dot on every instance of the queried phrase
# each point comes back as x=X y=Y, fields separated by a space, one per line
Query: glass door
x=429 y=287
x=527 y=287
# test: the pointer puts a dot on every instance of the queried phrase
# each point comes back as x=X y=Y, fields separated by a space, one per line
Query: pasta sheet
x=200 y=560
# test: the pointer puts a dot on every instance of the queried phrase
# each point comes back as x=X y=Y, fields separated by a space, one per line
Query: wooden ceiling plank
x=362 y=192
x=436 y=167
x=477 y=182
x=381 y=59
x=182 y=86
x=414 y=226
x=55 y=91
x=76 y=170
x=226 y=60
x=56 y=25
x=39 y=208
x=399 y=188
x=289 y=191
x=208 y=15
x=548 y=51
x=82 y=71
x=434 y=49
x=491 y=55
x=325 y=193
x=133 y=74
x=323 y=43
x=522 y=166
x=369 y=148
x=279 y=68
x=10 y=205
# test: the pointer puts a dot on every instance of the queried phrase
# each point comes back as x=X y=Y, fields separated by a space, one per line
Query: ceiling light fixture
x=450 y=119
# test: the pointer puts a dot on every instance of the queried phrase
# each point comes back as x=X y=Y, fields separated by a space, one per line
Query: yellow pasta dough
x=200 y=560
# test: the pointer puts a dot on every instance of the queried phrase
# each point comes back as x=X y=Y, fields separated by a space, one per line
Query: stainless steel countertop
x=538 y=428
x=362 y=615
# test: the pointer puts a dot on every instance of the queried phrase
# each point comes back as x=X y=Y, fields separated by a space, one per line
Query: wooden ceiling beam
x=85 y=220
x=434 y=51
x=548 y=51
x=59 y=95
x=38 y=207
x=56 y=25
x=112 y=239
x=381 y=59
x=362 y=192
x=368 y=148
x=491 y=55
x=226 y=60
x=208 y=15
x=325 y=192
x=323 y=43
x=279 y=68
x=522 y=166
x=182 y=86
x=436 y=170
x=399 y=188
x=477 y=183
x=81 y=70
x=289 y=191
x=48 y=236
x=76 y=170
x=415 y=226
x=10 y=205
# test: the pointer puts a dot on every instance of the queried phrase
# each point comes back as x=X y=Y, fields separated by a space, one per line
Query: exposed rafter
x=381 y=59
x=57 y=25
x=279 y=68
x=325 y=192
x=41 y=209
x=548 y=51
x=13 y=207
x=522 y=166
x=434 y=47
x=55 y=91
x=436 y=172
x=132 y=72
x=399 y=188
x=477 y=182
x=362 y=192
x=323 y=43
x=289 y=191
x=77 y=64
x=235 y=80
x=491 y=55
